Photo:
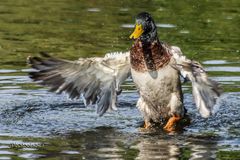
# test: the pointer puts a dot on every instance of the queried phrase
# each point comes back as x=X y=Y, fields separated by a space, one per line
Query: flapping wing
x=205 y=90
x=97 y=80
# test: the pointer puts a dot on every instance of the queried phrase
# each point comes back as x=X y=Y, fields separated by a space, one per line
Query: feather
x=205 y=91
x=96 y=79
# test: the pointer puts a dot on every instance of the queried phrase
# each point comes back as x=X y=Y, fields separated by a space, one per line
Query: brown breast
x=149 y=57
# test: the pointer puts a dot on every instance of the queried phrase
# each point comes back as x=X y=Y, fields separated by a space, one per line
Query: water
x=36 y=124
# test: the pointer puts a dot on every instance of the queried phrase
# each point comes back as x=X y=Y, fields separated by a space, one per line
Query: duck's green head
x=145 y=28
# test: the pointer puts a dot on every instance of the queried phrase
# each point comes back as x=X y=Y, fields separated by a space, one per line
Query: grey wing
x=97 y=80
x=205 y=90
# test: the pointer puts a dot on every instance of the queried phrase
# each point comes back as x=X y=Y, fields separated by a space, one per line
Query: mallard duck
x=154 y=66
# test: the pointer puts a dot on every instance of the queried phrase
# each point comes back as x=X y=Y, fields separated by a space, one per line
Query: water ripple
x=224 y=69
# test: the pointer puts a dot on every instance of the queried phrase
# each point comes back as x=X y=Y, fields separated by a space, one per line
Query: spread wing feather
x=97 y=80
x=205 y=90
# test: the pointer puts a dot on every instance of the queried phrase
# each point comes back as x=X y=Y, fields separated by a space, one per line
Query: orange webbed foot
x=147 y=126
x=171 y=124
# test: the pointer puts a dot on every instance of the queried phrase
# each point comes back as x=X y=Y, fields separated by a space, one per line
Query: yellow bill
x=137 y=32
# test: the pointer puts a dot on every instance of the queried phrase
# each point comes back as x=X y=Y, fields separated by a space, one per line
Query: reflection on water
x=37 y=124
x=109 y=143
